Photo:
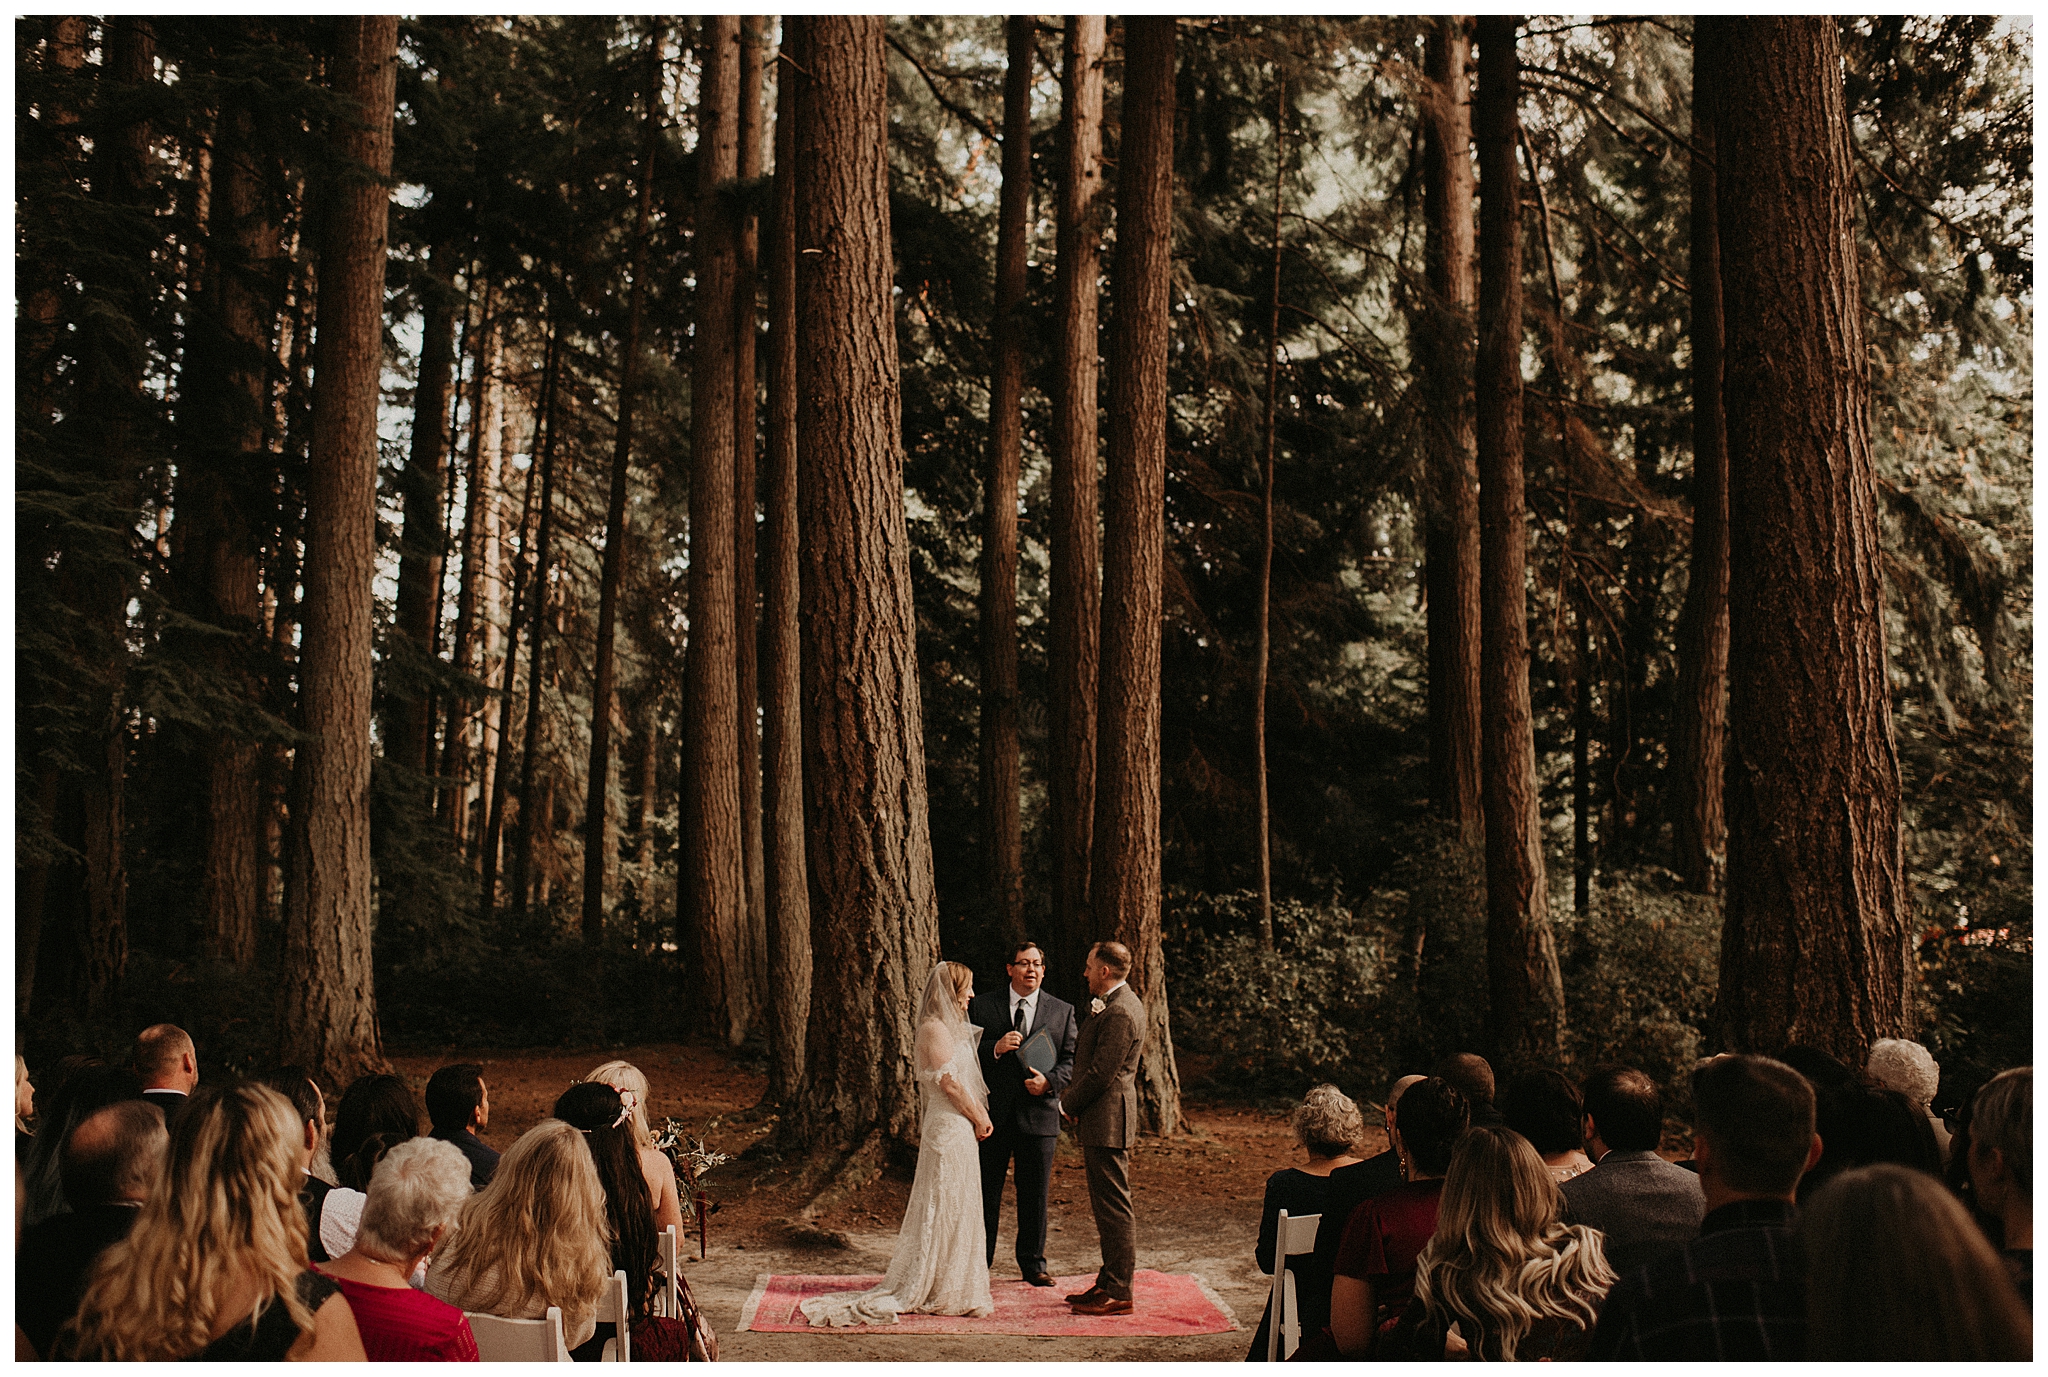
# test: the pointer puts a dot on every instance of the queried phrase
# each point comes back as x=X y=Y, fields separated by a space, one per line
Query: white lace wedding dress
x=940 y=1266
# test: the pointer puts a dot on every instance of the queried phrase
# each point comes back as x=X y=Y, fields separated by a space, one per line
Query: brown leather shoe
x=1092 y=1294
x=1108 y=1305
x=1038 y=1278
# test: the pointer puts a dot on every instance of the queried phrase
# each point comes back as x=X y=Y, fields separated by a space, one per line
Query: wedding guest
x=24 y=1110
x=111 y=1163
x=1520 y=1285
x=415 y=1193
x=604 y=1119
x=631 y=1084
x=1473 y=1077
x=2001 y=1160
x=535 y=1237
x=90 y=1085
x=310 y=1105
x=376 y=1114
x=1644 y=1205
x=1910 y=1069
x=215 y=1265
x=1895 y=1272
x=168 y=1064
x=1375 y=1270
x=458 y=1104
x=1328 y=1126
x=1860 y=1124
x=1350 y=1187
x=1737 y=1292
x=1546 y=1109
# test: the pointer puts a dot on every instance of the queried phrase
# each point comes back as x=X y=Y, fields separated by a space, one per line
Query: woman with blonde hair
x=215 y=1265
x=631 y=1083
x=536 y=1236
x=1518 y=1283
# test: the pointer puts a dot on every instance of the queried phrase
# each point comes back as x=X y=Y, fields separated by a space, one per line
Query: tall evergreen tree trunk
x=1002 y=827
x=873 y=907
x=596 y=803
x=1451 y=525
x=1073 y=636
x=1815 y=948
x=224 y=388
x=712 y=879
x=1124 y=892
x=480 y=483
x=1582 y=764
x=746 y=324
x=532 y=820
x=1699 y=728
x=1525 y=1007
x=1264 y=654
x=788 y=893
x=422 y=546
x=327 y=1012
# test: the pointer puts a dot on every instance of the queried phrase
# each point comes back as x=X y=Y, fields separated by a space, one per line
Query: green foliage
x=539 y=993
x=1640 y=974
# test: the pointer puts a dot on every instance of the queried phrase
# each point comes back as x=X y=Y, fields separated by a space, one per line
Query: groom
x=1023 y=1104
x=1103 y=1097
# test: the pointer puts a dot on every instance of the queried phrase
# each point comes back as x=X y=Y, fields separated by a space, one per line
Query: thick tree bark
x=596 y=803
x=327 y=1012
x=480 y=486
x=1815 y=948
x=746 y=324
x=1525 y=1009
x=422 y=546
x=532 y=820
x=1264 y=653
x=1002 y=827
x=1699 y=729
x=873 y=907
x=1451 y=525
x=1124 y=893
x=712 y=880
x=1073 y=636
x=787 y=889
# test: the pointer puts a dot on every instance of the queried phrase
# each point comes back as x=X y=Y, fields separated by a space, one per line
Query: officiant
x=1027 y=1057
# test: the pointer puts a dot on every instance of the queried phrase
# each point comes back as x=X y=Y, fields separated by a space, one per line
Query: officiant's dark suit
x=1027 y=1126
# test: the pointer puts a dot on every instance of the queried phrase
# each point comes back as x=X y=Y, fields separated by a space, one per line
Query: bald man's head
x=166 y=1059
x=115 y=1154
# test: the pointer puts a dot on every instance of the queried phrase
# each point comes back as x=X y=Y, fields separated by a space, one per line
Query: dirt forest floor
x=1197 y=1201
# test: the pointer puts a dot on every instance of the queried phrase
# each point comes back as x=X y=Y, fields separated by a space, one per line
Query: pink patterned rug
x=1167 y=1305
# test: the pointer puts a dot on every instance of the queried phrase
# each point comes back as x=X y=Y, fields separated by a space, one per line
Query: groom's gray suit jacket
x=1103 y=1095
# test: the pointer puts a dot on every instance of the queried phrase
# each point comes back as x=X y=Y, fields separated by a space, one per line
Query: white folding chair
x=668 y=1300
x=611 y=1308
x=1292 y=1238
x=519 y=1341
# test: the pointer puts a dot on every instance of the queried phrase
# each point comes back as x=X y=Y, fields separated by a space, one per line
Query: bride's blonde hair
x=631 y=1083
x=1500 y=1259
x=227 y=1204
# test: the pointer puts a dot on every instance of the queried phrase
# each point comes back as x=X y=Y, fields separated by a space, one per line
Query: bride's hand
x=982 y=1127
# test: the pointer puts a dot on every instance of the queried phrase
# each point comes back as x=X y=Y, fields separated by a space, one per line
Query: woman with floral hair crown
x=631 y=1083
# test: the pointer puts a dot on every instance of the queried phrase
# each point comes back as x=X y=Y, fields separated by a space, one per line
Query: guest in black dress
x=1329 y=1127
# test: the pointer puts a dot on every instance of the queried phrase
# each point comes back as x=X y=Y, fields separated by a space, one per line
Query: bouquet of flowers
x=691 y=1159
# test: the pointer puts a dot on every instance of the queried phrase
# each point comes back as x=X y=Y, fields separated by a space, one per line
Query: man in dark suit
x=458 y=1104
x=1102 y=1099
x=1024 y=1105
x=310 y=1108
x=168 y=1064
x=110 y=1164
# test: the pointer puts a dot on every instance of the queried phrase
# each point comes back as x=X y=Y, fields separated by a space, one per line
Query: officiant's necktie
x=1018 y=1022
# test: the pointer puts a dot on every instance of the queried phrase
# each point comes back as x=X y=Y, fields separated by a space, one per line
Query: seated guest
x=1910 y=1069
x=1643 y=1204
x=1328 y=1126
x=89 y=1087
x=605 y=1121
x=1519 y=1285
x=458 y=1104
x=1473 y=1077
x=1350 y=1187
x=168 y=1064
x=1896 y=1272
x=310 y=1105
x=415 y=1193
x=111 y=1163
x=536 y=1236
x=1737 y=1292
x=1546 y=1109
x=1858 y=1123
x=376 y=1114
x=631 y=1084
x=24 y=1110
x=1375 y=1269
x=215 y=1265
x=2001 y=1158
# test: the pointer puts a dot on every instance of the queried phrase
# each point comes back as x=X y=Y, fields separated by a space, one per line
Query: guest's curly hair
x=1327 y=1122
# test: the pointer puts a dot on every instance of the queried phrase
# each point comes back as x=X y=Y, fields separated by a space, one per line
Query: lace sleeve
x=937 y=1055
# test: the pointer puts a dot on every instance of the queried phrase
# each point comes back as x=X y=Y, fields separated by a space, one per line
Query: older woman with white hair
x=1910 y=1069
x=415 y=1193
x=1329 y=1127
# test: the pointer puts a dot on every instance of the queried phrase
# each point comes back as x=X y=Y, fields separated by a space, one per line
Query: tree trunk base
x=829 y=1178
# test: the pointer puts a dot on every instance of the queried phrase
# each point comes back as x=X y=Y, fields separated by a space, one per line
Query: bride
x=940 y=1266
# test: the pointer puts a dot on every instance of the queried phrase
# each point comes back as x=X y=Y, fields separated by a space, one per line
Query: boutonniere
x=1096 y=1006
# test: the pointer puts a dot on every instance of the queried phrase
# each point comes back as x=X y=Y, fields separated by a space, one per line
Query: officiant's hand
x=1009 y=1042
x=1036 y=1083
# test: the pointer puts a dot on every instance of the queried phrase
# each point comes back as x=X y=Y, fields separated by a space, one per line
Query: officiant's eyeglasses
x=1030 y=965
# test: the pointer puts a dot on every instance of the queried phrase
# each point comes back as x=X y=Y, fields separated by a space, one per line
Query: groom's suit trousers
x=1109 y=1191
